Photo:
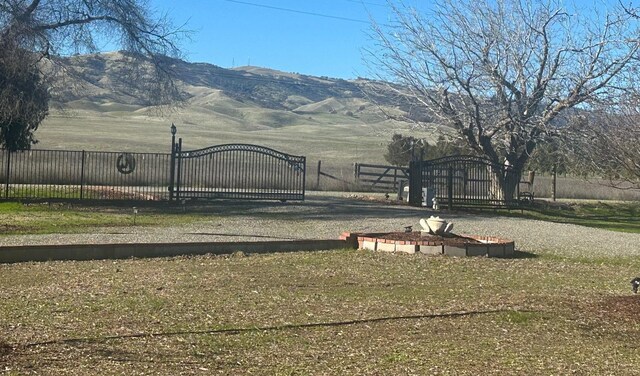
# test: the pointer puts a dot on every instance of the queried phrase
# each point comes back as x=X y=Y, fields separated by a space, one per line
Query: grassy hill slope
x=95 y=108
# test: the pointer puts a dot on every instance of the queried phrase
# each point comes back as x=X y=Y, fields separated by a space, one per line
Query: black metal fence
x=224 y=171
x=462 y=182
x=60 y=174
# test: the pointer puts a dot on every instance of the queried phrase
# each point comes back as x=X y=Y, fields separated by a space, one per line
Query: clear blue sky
x=316 y=37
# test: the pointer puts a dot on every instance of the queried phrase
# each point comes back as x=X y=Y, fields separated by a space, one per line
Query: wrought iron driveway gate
x=463 y=182
x=236 y=171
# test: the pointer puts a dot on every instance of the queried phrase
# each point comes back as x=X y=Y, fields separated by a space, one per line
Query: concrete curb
x=84 y=252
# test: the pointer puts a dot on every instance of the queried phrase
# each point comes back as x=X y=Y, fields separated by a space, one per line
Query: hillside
x=96 y=106
x=251 y=97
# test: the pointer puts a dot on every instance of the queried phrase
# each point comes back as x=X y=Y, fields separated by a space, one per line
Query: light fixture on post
x=174 y=130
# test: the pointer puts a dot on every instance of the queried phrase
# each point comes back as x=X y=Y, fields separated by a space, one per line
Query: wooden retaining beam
x=84 y=252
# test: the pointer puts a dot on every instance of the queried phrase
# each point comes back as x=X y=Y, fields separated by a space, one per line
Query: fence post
x=555 y=180
x=7 y=172
x=172 y=161
x=415 y=183
x=178 y=151
x=318 y=177
x=304 y=177
x=450 y=189
x=82 y=176
x=401 y=189
x=395 y=177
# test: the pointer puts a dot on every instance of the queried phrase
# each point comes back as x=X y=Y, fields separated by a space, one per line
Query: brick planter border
x=490 y=246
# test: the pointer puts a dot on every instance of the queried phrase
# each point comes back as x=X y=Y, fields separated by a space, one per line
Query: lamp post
x=172 y=168
x=174 y=130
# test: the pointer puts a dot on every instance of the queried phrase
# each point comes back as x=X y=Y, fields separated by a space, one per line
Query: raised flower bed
x=450 y=245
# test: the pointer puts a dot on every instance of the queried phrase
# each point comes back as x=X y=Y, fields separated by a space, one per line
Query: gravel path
x=326 y=217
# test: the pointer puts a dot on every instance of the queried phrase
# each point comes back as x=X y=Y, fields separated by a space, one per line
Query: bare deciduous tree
x=32 y=31
x=606 y=145
x=503 y=73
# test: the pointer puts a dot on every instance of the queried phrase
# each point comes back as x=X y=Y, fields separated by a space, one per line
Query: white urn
x=436 y=225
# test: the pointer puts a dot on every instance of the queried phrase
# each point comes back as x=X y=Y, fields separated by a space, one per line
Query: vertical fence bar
x=82 y=176
x=111 y=173
x=7 y=172
x=179 y=157
x=252 y=172
x=95 y=179
x=265 y=173
x=415 y=182
x=304 y=176
x=26 y=174
x=450 y=188
x=215 y=178
x=318 y=178
x=554 y=182
x=233 y=179
x=240 y=175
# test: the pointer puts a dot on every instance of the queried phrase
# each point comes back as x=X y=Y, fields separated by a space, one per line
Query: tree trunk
x=504 y=183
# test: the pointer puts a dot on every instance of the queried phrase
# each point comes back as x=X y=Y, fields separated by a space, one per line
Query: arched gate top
x=461 y=158
x=240 y=147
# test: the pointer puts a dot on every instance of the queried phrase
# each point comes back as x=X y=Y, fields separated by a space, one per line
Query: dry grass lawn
x=334 y=312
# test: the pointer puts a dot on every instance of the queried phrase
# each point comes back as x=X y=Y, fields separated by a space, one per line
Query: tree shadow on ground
x=317 y=208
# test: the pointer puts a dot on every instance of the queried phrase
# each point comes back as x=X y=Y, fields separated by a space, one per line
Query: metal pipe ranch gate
x=461 y=181
x=232 y=171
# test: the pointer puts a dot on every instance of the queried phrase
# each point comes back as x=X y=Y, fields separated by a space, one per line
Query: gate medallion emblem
x=126 y=163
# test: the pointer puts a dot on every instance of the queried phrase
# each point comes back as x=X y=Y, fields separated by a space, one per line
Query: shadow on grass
x=317 y=208
x=524 y=255
x=278 y=327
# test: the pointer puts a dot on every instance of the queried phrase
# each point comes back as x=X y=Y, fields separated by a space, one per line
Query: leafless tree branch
x=505 y=74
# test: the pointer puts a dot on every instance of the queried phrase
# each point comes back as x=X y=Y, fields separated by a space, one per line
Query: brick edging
x=492 y=246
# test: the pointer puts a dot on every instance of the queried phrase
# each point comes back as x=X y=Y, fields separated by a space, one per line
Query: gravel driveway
x=324 y=216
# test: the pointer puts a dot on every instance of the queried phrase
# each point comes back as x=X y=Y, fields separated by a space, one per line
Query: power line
x=299 y=11
x=367 y=3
